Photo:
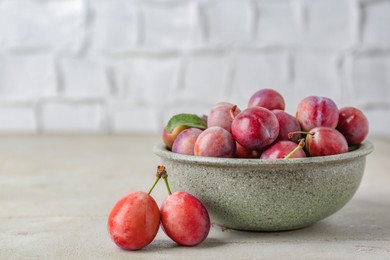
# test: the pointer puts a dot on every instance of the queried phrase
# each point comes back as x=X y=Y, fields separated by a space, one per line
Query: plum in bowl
x=268 y=195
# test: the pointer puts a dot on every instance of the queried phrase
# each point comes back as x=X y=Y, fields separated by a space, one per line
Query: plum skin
x=255 y=128
x=323 y=141
x=185 y=219
x=287 y=124
x=220 y=115
x=242 y=152
x=169 y=138
x=314 y=111
x=215 y=141
x=280 y=149
x=185 y=141
x=353 y=124
x=267 y=98
x=134 y=221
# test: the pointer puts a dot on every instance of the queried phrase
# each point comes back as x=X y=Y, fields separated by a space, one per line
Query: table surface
x=56 y=192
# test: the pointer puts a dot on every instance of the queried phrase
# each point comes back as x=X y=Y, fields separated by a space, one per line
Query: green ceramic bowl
x=268 y=195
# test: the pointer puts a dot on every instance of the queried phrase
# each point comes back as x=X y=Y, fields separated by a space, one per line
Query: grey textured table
x=56 y=192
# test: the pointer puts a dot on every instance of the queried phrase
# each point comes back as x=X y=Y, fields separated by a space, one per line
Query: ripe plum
x=220 y=115
x=287 y=124
x=322 y=141
x=267 y=98
x=169 y=138
x=353 y=124
x=255 y=128
x=185 y=141
x=185 y=219
x=284 y=149
x=134 y=221
x=215 y=141
x=316 y=111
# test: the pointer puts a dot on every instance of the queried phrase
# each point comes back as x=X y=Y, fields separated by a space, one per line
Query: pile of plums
x=265 y=130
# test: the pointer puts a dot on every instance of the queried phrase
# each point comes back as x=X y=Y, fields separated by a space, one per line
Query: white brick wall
x=259 y=69
x=72 y=116
x=126 y=66
x=27 y=76
x=111 y=26
x=46 y=25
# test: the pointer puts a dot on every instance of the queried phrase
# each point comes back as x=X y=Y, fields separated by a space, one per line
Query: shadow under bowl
x=268 y=195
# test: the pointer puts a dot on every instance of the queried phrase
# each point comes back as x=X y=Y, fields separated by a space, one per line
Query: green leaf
x=189 y=120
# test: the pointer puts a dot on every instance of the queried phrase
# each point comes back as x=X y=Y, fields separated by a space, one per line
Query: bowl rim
x=362 y=150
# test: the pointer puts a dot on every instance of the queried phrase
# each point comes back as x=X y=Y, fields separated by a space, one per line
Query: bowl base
x=227 y=228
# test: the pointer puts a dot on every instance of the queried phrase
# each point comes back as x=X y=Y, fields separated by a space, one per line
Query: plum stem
x=299 y=147
x=291 y=134
x=154 y=184
x=232 y=110
x=164 y=175
x=160 y=170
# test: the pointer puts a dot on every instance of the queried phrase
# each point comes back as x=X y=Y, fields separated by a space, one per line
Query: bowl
x=268 y=195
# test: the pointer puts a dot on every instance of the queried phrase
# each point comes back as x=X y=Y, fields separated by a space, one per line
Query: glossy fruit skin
x=287 y=124
x=314 y=111
x=169 y=138
x=353 y=124
x=185 y=219
x=267 y=98
x=280 y=149
x=255 y=128
x=215 y=142
x=134 y=221
x=220 y=115
x=242 y=152
x=185 y=141
x=325 y=141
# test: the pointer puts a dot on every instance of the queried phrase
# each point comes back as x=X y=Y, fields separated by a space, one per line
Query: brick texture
x=112 y=26
x=228 y=22
x=275 y=23
x=83 y=78
x=169 y=26
x=376 y=19
x=42 y=24
x=127 y=66
x=148 y=80
x=328 y=23
x=204 y=77
x=27 y=76
x=370 y=77
x=18 y=118
x=259 y=69
x=72 y=116
x=130 y=117
x=315 y=73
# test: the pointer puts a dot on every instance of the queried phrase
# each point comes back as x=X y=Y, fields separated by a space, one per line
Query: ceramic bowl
x=268 y=195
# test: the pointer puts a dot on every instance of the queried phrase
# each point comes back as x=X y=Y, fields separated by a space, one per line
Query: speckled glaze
x=268 y=195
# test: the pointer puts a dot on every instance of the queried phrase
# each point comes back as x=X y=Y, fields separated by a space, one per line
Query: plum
x=323 y=141
x=215 y=141
x=267 y=98
x=287 y=124
x=185 y=219
x=220 y=115
x=185 y=141
x=353 y=124
x=255 y=128
x=316 y=111
x=169 y=138
x=134 y=221
x=242 y=152
x=284 y=149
